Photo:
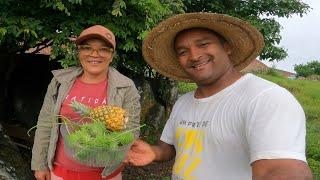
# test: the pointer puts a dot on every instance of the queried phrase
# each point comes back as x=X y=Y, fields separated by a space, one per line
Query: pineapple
x=114 y=117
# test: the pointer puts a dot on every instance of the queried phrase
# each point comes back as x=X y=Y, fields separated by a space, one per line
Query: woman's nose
x=94 y=52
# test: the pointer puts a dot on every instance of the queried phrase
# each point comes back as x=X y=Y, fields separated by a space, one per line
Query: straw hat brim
x=245 y=40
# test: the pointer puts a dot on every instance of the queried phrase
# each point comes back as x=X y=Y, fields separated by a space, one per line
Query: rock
x=12 y=165
x=152 y=112
x=25 y=97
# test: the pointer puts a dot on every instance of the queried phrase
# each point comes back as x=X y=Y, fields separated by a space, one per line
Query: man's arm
x=163 y=151
x=141 y=153
x=286 y=169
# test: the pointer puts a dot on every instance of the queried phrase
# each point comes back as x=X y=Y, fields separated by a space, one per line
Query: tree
x=54 y=23
x=41 y=23
x=311 y=68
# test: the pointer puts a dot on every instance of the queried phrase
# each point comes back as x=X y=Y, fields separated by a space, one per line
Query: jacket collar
x=115 y=79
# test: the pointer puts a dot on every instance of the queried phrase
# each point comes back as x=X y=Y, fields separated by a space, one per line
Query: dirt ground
x=154 y=171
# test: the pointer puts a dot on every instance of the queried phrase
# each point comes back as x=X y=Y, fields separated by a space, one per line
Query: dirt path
x=154 y=171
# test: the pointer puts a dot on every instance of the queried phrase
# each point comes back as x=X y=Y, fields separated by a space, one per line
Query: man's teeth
x=199 y=65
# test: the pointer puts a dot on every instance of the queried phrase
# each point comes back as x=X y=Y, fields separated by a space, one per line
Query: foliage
x=311 y=68
x=273 y=72
x=42 y=23
x=186 y=87
x=55 y=23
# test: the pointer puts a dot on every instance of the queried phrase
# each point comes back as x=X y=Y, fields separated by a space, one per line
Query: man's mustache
x=200 y=60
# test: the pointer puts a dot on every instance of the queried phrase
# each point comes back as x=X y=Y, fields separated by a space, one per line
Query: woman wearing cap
x=232 y=126
x=94 y=83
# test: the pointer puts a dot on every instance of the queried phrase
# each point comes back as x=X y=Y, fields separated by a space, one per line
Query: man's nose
x=195 y=54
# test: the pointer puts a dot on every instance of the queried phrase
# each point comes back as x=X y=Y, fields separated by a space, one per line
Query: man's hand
x=140 y=154
x=42 y=175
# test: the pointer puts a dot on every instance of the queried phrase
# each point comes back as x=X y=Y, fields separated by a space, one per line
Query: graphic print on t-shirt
x=91 y=101
x=189 y=137
x=91 y=95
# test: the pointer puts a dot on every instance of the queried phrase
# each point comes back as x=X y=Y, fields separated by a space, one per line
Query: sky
x=300 y=38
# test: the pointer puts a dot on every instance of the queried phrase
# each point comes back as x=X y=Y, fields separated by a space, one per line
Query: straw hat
x=244 y=39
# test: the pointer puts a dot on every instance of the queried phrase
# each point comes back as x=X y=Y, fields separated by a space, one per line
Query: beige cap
x=97 y=31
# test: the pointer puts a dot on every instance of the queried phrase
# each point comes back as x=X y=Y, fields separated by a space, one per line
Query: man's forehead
x=196 y=30
x=197 y=34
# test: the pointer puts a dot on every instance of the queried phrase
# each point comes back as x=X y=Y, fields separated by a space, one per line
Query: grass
x=308 y=94
x=186 y=87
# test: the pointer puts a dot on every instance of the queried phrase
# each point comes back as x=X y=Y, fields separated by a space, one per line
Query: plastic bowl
x=94 y=157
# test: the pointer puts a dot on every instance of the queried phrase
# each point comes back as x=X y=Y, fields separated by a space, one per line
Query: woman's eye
x=106 y=49
x=87 y=48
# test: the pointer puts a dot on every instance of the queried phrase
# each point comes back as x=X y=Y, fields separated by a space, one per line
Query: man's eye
x=182 y=53
x=203 y=44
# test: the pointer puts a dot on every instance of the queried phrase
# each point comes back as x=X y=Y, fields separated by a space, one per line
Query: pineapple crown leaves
x=80 y=108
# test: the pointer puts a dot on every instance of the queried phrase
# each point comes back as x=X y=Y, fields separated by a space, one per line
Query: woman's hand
x=42 y=175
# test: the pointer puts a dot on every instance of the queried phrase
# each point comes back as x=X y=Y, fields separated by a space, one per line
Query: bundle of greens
x=102 y=141
x=94 y=145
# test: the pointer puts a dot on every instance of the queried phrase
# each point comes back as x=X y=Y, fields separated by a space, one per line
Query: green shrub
x=186 y=87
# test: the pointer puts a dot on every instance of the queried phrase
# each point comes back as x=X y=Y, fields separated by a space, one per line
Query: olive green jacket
x=121 y=92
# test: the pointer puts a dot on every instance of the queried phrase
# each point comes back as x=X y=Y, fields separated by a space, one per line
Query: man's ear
x=227 y=48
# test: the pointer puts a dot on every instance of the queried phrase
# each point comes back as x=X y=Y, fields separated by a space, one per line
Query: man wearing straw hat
x=232 y=126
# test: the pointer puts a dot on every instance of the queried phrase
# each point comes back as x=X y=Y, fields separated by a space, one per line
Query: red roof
x=255 y=66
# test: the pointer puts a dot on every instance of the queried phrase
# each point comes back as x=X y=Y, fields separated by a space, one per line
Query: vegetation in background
x=308 y=94
x=311 y=68
x=186 y=87
x=54 y=23
x=43 y=23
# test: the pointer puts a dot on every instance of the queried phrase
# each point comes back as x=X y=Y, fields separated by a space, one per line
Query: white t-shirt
x=218 y=137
